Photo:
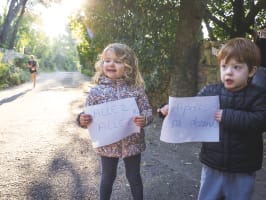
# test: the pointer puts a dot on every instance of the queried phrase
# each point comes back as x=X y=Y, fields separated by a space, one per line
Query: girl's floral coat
x=110 y=90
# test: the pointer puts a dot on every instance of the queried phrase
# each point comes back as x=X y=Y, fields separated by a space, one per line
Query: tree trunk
x=183 y=80
x=16 y=27
x=12 y=13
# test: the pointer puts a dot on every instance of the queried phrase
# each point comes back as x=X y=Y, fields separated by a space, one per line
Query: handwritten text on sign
x=191 y=119
x=112 y=121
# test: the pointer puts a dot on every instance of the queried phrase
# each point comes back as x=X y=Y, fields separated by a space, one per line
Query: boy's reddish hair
x=242 y=50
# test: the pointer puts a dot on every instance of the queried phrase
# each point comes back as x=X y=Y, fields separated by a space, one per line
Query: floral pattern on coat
x=111 y=90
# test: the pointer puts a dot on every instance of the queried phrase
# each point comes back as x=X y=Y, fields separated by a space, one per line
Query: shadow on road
x=14 y=97
x=41 y=191
x=45 y=190
x=67 y=176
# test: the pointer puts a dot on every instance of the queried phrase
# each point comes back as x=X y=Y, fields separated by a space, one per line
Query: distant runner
x=33 y=66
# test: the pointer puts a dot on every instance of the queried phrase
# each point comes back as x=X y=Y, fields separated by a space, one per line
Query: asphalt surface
x=45 y=155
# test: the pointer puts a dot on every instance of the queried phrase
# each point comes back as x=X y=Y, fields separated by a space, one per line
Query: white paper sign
x=112 y=121
x=191 y=119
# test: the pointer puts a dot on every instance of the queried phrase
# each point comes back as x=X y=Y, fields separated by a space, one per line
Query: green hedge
x=13 y=74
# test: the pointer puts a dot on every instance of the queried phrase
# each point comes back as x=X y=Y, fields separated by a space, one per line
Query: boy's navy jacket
x=260 y=77
x=240 y=148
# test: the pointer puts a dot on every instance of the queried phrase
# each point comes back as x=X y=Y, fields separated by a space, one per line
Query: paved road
x=45 y=155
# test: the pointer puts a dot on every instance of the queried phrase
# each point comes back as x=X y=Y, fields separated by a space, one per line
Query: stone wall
x=208 y=69
x=9 y=55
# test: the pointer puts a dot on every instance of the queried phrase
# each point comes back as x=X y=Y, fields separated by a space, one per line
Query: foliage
x=12 y=16
x=3 y=73
x=85 y=48
x=13 y=74
x=152 y=29
x=148 y=27
x=52 y=54
x=11 y=22
x=59 y=54
x=229 y=19
x=21 y=63
x=10 y=76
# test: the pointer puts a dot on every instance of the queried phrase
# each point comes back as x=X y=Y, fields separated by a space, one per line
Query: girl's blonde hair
x=128 y=57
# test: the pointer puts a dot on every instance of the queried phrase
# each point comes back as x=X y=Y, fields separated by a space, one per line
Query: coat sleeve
x=93 y=97
x=247 y=121
x=144 y=106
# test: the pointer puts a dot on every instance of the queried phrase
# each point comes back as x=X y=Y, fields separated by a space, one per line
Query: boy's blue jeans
x=219 y=185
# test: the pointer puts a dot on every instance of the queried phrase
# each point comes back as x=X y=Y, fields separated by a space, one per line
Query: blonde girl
x=117 y=77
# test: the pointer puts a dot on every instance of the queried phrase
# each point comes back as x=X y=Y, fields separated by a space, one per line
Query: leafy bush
x=21 y=62
x=24 y=76
x=3 y=76
x=14 y=79
x=15 y=74
x=87 y=72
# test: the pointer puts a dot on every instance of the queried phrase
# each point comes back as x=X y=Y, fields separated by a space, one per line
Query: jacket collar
x=107 y=81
